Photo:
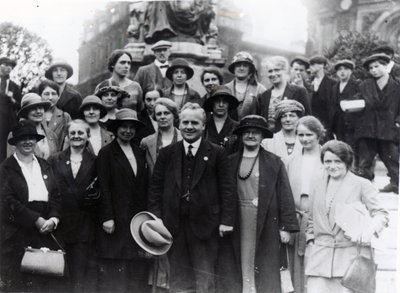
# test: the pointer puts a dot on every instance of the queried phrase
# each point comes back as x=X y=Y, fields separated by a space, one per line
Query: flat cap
x=386 y=49
x=161 y=45
x=318 y=59
x=375 y=57
x=8 y=61
x=345 y=62
x=301 y=60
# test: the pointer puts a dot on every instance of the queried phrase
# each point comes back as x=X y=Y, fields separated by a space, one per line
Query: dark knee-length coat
x=123 y=195
x=276 y=211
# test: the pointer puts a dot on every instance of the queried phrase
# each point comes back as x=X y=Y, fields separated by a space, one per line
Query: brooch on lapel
x=255 y=202
x=205 y=158
x=45 y=177
x=68 y=162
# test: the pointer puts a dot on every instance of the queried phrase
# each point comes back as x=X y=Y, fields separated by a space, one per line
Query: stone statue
x=179 y=21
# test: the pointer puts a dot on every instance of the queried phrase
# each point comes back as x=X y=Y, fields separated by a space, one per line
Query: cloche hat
x=220 y=91
x=253 y=121
x=29 y=101
x=179 y=63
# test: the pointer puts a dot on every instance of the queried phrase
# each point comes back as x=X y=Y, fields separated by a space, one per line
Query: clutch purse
x=361 y=274
x=44 y=261
x=286 y=278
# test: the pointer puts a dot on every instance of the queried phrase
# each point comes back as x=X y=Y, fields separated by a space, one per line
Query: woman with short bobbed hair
x=166 y=114
x=278 y=75
x=344 y=209
x=303 y=168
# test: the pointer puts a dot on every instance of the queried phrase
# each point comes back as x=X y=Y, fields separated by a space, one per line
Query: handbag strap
x=58 y=243
x=359 y=245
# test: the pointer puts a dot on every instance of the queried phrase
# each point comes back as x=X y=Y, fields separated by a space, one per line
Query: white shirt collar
x=390 y=66
x=158 y=63
x=195 y=146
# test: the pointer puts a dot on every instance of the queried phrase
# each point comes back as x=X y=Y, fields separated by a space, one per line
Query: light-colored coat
x=332 y=253
x=277 y=146
x=149 y=144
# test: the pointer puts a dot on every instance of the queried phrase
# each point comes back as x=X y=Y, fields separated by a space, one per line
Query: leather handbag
x=44 y=261
x=361 y=274
x=286 y=278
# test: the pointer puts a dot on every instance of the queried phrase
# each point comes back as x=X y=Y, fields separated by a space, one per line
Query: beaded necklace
x=251 y=169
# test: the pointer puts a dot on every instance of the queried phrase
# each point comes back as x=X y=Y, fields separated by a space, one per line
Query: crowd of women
x=82 y=180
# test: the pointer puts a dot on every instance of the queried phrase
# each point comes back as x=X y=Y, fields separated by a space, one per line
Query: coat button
x=256 y=270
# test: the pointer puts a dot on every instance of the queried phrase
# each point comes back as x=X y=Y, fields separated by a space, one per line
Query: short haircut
x=279 y=61
x=115 y=55
x=193 y=106
x=79 y=122
x=212 y=70
x=313 y=124
x=340 y=149
x=48 y=83
x=170 y=105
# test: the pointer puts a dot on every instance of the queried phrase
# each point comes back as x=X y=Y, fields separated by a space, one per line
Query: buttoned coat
x=380 y=115
x=211 y=195
x=344 y=123
x=58 y=124
x=291 y=92
x=332 y=253
x=77 y=214
x=17 y=219
x=275 y=211
x=123 y=195
x=322 y=105
x=277 y=146
x=70 y=101
x=225 y=137
x=149 y=144
x=149 y=77
x=191 y=96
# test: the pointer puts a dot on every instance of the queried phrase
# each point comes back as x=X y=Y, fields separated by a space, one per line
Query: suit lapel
x=177 y=162
x=288 y=92
x=201 y=162
x=153 y=146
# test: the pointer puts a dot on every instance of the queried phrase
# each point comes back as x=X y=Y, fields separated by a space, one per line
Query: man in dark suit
x=10 y=100
x=153 y=76
x=393 y=68
x=192 y=191
x=70 y=99
x=322 y=104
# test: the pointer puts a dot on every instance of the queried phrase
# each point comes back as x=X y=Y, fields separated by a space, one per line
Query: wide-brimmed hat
x=346 y=63
x=161 y=45
x=318 y=59
x=220 y=91
x=301 y=60
x=150 y=233
x=285 y=106
x=125 y=114
x=58 y=63
x=179 y=63
x=253 y=121
x=29 y=101
x=242 y=57
x=92 y=100
x=375 y=57
x=24 y=128
x=110 y=85
x=8 y=61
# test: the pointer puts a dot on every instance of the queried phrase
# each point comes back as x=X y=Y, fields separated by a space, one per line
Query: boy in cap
x=322 y=104
x=392 y=67
x=152 y=76
x=70 y=99
x=10 y=99
x=298 y=72
x=377 y=130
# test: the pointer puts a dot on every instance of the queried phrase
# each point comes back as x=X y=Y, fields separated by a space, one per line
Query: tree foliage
x=31 y=52
x=355 y=46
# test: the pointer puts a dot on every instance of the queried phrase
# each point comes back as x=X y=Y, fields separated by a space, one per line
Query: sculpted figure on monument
x=181 y=21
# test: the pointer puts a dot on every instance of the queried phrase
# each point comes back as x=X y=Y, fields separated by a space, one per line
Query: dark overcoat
x=343 y=124
x=70 y=101
x=17 y=217
x=276 y=211
x=149 y=77
x=191 y=96
x=77 y=213
x=123 y=195
x=212 y=189
x=380 y=115
x=291 y=92
x=225 y=137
